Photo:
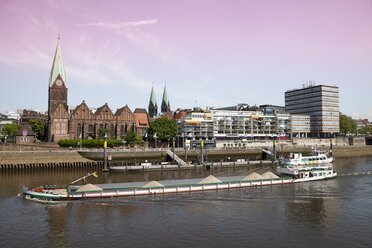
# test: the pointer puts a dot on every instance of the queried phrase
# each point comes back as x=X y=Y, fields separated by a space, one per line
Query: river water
x=335 y=212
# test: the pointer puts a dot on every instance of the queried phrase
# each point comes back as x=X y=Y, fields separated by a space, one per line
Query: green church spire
x=152 y=96
x=165 y=101
x=57 y=67
x=153 y=107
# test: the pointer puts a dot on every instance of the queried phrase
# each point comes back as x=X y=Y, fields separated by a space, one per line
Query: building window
x=112 y=130
x=63 y=132
x=90 y=128
x=63 y=126
x=57 y=125
x=78 y=131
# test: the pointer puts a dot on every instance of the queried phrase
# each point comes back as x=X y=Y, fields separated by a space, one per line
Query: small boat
x=317 y=157
x=304 y=173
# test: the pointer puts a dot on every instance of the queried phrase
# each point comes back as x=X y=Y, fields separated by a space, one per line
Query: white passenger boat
x=317 y=157
x=304 y=173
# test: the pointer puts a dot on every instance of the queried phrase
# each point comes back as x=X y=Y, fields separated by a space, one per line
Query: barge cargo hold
x=146 y=188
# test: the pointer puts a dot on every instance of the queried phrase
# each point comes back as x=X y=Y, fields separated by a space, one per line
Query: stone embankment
x=66 y=158
x=44 y=159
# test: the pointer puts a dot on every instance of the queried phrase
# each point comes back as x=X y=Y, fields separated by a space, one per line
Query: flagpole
x=105 y=155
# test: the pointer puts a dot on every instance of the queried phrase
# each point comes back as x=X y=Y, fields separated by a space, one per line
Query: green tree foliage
x=140 y=141
x=130 y=138
x=10 y=130
x=38 y=126
x=347 y=125
x=366 y=130
x=102 y=132
x=164 y=128
x=89 y=143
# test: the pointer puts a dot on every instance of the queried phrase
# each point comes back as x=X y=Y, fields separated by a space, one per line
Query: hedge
x=89 y=143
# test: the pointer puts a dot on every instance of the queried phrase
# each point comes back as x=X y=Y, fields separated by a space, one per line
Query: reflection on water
x=322 y=213
x=57 y=222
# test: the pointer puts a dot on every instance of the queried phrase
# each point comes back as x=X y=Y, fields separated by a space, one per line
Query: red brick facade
x=63 y=125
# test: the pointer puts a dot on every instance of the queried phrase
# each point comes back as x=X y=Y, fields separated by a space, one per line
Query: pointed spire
x=152 y=96
x=165 y=100
x=57 y=67
x=153 y=107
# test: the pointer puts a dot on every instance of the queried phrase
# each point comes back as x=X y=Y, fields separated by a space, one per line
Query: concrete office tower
x=321 y=102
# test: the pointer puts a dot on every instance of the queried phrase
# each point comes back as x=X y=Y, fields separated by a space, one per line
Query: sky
x=208 y=52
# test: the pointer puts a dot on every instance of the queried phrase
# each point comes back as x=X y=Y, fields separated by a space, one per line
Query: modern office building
x=321 y=102
x=229 y=128
x=300 y=125
x=195 y=127
x=253 y=125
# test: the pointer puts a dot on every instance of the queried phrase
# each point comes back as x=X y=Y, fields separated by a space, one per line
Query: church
x=81 y=122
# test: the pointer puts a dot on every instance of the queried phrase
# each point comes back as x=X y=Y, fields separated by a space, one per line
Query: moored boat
x=304 y=173
x=317 y=157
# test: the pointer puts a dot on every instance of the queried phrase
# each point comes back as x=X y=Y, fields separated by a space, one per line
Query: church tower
x=165 y=106
x=153 y=107
x=57 y=82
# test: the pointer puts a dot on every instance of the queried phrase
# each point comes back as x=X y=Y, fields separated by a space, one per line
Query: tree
x=10 y=129
x=38 y=126
x=140 y=141
x=130 y=138
x=102 y=132
x=164 y=128
x=347 y=124
x=366 y=130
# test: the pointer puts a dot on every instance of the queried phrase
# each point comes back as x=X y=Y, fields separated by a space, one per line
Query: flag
x=146 y=135
x=155 y=136
x=80 y=136
x=105 y=135
x=95 y=174
x=85 y=179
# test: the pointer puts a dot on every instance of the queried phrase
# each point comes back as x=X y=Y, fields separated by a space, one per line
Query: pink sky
x=210 y=53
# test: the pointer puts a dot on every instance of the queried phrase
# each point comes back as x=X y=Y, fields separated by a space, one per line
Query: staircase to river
x=176 y=158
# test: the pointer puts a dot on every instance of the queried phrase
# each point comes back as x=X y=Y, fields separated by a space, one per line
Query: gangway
x=175 y=157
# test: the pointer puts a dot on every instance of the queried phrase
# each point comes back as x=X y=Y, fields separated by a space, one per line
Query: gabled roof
x=25 y=127
x=123 y=109
x=85 y=115
x=140 y=110
x=142 y=120
x=57 y=67
x=102 y=108
x=125 y=113
x=153 y=97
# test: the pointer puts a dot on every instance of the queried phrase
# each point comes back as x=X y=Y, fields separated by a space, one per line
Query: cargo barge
x=72 y=192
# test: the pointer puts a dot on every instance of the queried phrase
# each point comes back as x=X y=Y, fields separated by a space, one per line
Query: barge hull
x=120 y=192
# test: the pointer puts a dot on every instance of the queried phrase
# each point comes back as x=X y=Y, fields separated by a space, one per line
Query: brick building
x=25 y=135
x=81 y=121
x=143 y=121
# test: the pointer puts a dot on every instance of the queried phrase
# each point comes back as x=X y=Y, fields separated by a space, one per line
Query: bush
x=89 y=143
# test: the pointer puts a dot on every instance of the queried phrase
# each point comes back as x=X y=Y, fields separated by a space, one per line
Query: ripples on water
x=317 y=214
